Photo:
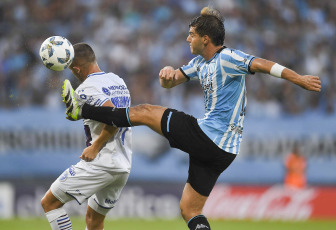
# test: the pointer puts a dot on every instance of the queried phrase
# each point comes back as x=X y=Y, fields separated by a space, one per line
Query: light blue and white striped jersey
x=223 y=81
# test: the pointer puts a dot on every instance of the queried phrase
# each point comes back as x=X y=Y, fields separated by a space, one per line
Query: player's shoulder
x=112 y=77
x=102 y=76
x=230 y=54
x=229 y=51
x=103 y=80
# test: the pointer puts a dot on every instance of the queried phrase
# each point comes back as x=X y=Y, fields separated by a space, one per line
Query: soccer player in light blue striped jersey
x=213 y=141
x=222 y=78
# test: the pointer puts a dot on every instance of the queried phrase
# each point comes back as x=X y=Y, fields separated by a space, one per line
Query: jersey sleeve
x=190 y=70
x=236 y=62
x=92 y=95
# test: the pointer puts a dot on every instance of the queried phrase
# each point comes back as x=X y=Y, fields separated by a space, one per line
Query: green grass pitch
x=140 y=224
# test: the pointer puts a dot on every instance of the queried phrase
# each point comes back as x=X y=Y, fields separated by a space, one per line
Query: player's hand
x=89 y=153
x=309 y=82
x=167 y=73
x=167 y=77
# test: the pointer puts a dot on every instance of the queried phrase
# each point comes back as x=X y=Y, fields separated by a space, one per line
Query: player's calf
x=94 y=220
x=117 y=117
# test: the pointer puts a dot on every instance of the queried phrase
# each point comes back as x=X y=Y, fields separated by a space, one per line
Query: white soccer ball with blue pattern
x=56 y=53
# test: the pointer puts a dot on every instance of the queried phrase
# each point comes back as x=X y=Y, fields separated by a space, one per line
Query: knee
x=144 y=108
x=141 y=114
x=49 y=202
x=44 y=203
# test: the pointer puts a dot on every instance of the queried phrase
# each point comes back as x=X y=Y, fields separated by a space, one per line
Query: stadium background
x=135 y=39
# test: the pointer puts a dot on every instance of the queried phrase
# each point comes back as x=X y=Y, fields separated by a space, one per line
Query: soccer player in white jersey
x=213 y=141
x=106 y=162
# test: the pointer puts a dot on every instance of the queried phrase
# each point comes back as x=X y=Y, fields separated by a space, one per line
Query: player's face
x=195 y=42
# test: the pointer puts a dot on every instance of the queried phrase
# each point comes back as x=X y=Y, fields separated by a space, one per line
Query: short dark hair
x=84 y=53
x=210 y=23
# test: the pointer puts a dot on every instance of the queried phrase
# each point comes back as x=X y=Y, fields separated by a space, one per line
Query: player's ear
x=76 y=69
x=206 y=40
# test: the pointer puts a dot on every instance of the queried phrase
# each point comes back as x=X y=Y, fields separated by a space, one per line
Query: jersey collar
x=217 y=52
x=220 y=50
x=97 y=73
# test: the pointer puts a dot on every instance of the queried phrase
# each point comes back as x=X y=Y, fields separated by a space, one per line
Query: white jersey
x=96 y=90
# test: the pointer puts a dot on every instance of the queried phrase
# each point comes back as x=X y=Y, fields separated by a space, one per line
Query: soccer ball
x=56 y=53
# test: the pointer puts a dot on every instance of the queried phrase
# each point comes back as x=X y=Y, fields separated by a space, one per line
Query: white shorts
x=102 y=188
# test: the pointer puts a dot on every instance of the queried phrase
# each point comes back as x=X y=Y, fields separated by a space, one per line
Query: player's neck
x=93 y=69
x=210 y=51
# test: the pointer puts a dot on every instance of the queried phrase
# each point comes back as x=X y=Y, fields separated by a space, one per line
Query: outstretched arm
x=107 y=132
x=308 y=82
x=170 y=77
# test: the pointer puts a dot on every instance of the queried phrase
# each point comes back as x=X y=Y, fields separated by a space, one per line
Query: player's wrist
x=96 y=146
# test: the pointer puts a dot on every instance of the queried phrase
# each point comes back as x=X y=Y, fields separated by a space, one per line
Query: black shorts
x=206 y=160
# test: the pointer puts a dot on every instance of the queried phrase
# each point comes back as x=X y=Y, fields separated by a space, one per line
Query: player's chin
x=192 y=50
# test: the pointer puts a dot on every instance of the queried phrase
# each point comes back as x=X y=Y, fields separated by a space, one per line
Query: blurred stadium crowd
x=136 y=38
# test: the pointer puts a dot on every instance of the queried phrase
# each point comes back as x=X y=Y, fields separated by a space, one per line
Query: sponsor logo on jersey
x=237 y=129
x=64 y=176
x=83 y=96
x=122 y=101
x=119 y=87
x=72 y=171
x=206 y=84
x=106 y=91
x=108 y=201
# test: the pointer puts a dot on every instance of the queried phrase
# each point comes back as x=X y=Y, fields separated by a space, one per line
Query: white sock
x=59 y=219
